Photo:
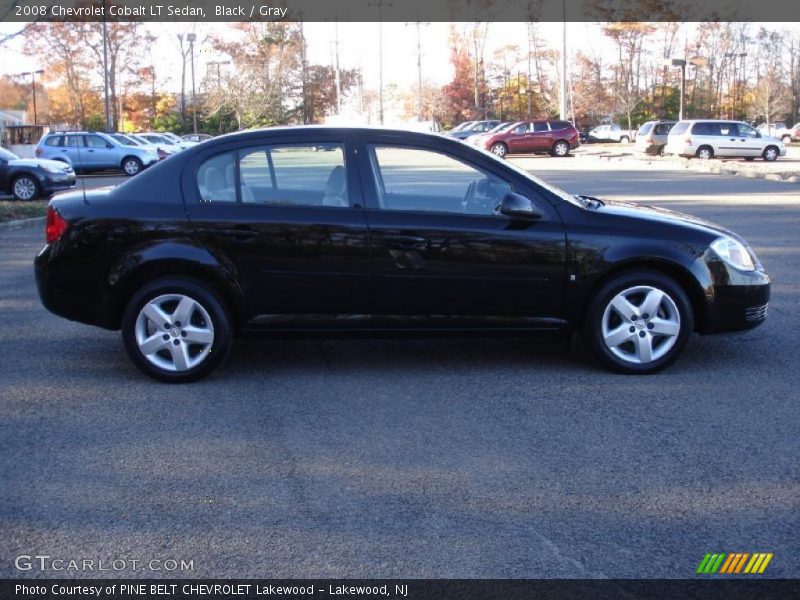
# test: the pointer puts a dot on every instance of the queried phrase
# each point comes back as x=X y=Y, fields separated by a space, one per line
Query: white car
x=164 y=139
x=707 y=138
x=611 y=133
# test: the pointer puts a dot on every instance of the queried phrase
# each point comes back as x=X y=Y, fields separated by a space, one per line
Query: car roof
x=300 y=130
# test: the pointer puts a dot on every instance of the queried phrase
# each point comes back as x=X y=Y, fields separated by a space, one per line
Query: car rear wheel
x=705 y=152
x=624 y=139
x=560 y=148
x=176 y=330
x=26 y=188
x=786 y=139
x=499 y=150
x=131 y=166
x=770 y=153
x=639 y=322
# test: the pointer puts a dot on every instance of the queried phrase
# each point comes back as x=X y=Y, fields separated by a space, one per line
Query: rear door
x=438 y=247
x=541 y=138
x=285 y=213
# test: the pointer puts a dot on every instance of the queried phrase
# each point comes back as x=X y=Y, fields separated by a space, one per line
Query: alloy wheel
x=704 y=153
x=641 y=324
x=174 y=332
x=131 y=167
x=24 y=188
x=561 y=149
x=770 y=154
x=499 y=150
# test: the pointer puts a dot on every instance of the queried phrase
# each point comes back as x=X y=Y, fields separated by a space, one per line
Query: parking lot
x=407 y=458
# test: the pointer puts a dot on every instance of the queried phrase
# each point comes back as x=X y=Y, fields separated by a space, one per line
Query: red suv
x=525 y=137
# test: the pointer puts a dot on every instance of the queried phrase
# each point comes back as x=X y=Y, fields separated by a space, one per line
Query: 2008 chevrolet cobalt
x=322 y=231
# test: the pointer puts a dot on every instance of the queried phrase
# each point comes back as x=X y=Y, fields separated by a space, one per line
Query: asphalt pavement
x=404 y=458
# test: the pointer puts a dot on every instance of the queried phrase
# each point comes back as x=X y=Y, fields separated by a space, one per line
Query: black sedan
x=387 y=232
x=30 y=178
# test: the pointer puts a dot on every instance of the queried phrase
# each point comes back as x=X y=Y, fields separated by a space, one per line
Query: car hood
x=39 y=162
x=656 y=214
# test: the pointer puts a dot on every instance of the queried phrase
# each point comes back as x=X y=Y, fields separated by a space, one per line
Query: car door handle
x=405 y=242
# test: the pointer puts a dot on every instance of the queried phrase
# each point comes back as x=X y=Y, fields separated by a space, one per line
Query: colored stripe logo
x=734 y=563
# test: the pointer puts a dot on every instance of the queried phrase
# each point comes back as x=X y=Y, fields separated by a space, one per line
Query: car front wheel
x=26 y=188
x=131 y=166
x=560 y=148
x=639 y=322
x=176 y=330
x=499 y=150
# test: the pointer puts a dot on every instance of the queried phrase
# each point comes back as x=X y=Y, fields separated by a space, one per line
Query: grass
x=11 y=210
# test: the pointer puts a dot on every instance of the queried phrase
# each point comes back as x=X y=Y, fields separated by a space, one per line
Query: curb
x=21 y=223
x=709 y=169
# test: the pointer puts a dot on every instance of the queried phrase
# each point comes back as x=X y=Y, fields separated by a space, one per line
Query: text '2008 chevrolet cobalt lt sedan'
x=323 y=231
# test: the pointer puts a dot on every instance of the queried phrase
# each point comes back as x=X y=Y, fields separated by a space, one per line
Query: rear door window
x=540 y=127
x=679 y=128
x=54 y=140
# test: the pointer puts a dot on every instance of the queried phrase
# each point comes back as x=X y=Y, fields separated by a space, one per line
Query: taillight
x=650 y=140
x=55 y=225
x=687 y=140
x=38 y=152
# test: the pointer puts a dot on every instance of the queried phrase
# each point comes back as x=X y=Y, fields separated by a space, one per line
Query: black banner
x=412 y=589
x=398 y=10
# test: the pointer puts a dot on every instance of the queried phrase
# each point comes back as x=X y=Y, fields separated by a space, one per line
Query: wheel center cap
x=640 y=324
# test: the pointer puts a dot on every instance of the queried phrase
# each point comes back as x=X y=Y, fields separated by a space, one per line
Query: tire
x=560 y=149
x=749 y=158
x=179 y=353
x=608 y=331
x=131 y=166
x=705 y=152
x=499 y=149
x=624 y=139
x=662 y=151
x=787 y=139
x=771 y=154
x=25 y=187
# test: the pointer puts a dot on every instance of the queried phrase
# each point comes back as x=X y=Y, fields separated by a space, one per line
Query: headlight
x=733 y=253
x=52 y=169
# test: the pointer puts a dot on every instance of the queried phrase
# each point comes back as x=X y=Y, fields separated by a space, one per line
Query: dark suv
x=385 y=232
x=556 y=138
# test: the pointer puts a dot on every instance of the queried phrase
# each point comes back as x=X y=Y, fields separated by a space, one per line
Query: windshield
x=171 y=136
x=159 y=139
x=6 y=155
x=125 y=140
x=500 y=127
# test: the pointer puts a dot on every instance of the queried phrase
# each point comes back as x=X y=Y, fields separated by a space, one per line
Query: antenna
x=80 y=160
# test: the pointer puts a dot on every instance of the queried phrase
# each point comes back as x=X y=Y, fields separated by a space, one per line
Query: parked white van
x=706 y=138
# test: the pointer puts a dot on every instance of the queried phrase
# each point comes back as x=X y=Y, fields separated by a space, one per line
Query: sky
x=358 y=43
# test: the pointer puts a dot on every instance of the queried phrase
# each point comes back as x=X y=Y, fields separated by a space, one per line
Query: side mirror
x=758 y=134
x=517 y=206
x=109 y=145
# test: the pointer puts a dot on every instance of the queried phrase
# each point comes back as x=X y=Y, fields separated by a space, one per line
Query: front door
x=752 y=144
x=98 y=153
x=288 y=218
x=522 y=139
x=439 y=249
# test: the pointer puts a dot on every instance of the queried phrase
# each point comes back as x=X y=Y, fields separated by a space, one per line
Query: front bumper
x=738 y=300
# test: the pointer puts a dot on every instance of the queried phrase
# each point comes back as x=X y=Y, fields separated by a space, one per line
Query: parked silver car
x=94 y=151
x=652 y=136
x=707 y=138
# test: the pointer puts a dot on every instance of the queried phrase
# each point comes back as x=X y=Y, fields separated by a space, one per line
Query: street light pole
x=33 y=75
x=191 y=39
x=218 y=64
x=682 y=62
x=380 y=4
x=105 y=69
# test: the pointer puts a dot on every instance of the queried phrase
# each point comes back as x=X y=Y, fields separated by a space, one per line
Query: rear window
x=559 y=125
x=54 y=140
x=663 y=128
x=645 y=129
x=679 y=128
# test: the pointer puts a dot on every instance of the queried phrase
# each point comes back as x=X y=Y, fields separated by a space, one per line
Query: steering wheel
x=481 y=198
x=469 y=196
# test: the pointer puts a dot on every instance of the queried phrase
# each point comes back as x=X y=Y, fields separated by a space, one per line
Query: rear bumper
x=68 y=298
